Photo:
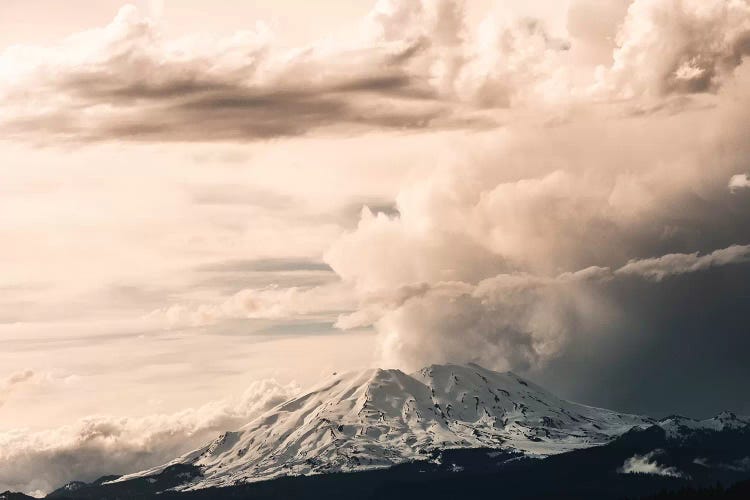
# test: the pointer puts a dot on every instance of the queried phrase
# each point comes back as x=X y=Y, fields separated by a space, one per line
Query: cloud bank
x=39 y=461
x=414 y=65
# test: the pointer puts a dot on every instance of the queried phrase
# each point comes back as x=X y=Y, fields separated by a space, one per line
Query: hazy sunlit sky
x=207 y=205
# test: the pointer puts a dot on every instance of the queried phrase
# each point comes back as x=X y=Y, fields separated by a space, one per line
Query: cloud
x=265 y=265
x=738 y=181
x=646 y=464
x=414 y=65
x=509 y=321
x=26 y=380
x=658 y=268
x=484 y=239
x=680 y=47
x=39 y=461
x=739 y=465
x=13 y=381
x=126 y=81
x=271 y=302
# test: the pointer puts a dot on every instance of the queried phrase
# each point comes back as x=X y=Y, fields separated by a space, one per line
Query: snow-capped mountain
x=378 y=418
x=679 y=427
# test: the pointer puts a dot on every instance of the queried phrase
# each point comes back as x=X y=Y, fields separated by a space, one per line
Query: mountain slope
x=378 y=418
x=701 y=459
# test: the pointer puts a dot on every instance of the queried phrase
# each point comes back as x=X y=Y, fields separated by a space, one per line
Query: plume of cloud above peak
x=476 y=238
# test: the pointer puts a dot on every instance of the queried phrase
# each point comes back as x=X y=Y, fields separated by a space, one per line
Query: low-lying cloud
x=647 y=464
x=39 y=461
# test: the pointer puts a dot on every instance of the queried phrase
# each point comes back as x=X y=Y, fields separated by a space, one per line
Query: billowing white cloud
x=537 y=202
x=680 y=47
x=647 y=464
x=509 y=321
x=533 y=203
x=39 y=461
x=739 y=181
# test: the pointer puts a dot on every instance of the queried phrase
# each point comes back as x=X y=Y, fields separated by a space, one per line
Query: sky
x=207 y=208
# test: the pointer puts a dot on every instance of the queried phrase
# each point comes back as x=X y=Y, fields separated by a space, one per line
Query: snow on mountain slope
x=377 y=418
x=679 y=427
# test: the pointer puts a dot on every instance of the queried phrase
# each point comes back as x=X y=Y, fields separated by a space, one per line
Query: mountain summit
x=378 y=418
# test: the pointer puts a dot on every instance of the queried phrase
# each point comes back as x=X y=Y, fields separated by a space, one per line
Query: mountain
x=697 y=462
x=446 y=431
x=378 y=418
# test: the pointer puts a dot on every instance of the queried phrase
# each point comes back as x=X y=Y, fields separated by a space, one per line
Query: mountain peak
x=380 y=417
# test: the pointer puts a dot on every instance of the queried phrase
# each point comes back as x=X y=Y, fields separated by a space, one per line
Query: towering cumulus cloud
x=506 y=250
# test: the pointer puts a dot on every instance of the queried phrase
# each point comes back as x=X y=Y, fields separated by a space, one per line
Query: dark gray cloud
x=677 y=346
